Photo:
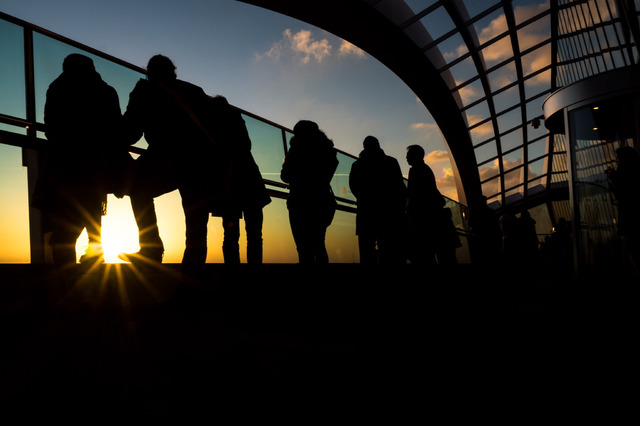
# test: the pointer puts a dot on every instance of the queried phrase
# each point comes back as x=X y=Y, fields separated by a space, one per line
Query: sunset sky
x=274 y=66
x=286 y=70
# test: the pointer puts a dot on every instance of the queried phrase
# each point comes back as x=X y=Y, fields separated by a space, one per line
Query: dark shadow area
x=114 y=346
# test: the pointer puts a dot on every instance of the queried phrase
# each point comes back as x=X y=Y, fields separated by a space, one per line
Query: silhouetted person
x=563 y=244
x=82 y=115
x=527 y=238
x=246 y=194
x=509 y=227
x=447 y=240
x=625 y=183
x=424 y=208
x=175 y=118
x=486 y=235
x=377 y=183
x=308 y=169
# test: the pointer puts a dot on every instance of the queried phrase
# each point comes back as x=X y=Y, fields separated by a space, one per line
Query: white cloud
x=303 y=43
x=437 y=156
x=306 y=48
x=347 y=48
x=426 y=126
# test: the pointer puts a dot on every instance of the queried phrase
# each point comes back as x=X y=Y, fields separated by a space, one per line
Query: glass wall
x=269 y=145
x=597 y=131
x=14 y=214
x=12 y=83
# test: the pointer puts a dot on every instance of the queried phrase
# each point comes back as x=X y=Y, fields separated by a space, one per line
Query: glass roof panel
x=491 y=188
x=509 y=120
x=527 y=9
x=537 y=84
x=534 y=109
x=536 y=60
x=506 y=99
x=475 y=7
x=453 y=47
x=537 y=149
x=419 y=5
x=498 y=51
x=512 y=159
x=482 y=133
x=486 y=152
x=513 y=178
x=534 y=33
x=503 y=76
x=471 y=92
x=437 y=23
x=536 y=169
x=511 y=140
x=491 y=26
x=535 y=135
x=463 y=70
x=489 y=172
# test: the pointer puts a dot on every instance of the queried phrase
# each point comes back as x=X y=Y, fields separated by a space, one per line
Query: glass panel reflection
x=340 y=181
x=14 y=215
x=267 y=147
x=12 y=82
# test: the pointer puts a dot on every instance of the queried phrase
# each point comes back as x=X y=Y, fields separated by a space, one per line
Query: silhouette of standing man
x=173 y=116
x=82 y=115
x=246 y=193
x=377 y=183
x=424 y=208
x=308 y=169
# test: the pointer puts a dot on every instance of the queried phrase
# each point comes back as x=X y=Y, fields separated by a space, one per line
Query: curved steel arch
x=359 y=23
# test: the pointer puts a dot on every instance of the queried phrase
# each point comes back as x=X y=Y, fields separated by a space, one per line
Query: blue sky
x=272 y=65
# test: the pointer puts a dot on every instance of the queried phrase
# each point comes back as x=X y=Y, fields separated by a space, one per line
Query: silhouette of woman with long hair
x=82 y=118
x=308 y=169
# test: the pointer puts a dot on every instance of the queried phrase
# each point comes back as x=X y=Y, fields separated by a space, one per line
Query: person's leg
x=93 y=223
x=196 y=214
x=152 y=178
x=318 y=235
x=367 y=247
x=230 y=245
x=300 y=231
x=63 y=242
x=145 y=214
x=253 y=219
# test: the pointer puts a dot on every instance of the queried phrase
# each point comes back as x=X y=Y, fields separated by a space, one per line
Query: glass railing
x=32 y=58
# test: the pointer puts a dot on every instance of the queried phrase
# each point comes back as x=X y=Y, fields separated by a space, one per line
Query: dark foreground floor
x=333 y=345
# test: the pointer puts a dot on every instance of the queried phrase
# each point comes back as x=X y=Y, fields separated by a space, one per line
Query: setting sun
x=119 y=231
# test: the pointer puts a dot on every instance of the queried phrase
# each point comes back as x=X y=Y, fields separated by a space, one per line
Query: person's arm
x=132 y=127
